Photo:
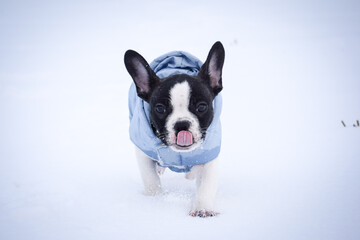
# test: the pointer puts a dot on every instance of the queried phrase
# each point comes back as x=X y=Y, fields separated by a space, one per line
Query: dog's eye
x=201 y=107
x=160 y=108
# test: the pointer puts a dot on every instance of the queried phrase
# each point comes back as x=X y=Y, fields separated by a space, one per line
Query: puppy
x=174 y=108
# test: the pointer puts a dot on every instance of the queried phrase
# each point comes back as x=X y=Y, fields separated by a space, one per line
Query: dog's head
x=181 y=108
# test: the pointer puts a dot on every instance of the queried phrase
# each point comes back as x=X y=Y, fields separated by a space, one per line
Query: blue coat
x=142 y=135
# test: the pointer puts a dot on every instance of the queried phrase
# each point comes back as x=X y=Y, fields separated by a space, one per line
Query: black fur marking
x=144 y=77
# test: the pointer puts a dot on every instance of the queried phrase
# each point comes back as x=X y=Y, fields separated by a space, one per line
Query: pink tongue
x=184 y=139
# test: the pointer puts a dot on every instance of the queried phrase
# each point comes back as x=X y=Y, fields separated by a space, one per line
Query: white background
x=289 y=169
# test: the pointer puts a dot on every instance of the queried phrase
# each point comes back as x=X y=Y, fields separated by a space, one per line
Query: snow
x=289 y=169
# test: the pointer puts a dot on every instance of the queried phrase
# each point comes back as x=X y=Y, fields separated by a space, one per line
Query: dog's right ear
x=144 y=77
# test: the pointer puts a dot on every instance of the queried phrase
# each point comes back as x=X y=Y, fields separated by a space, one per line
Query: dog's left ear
x=211 y=70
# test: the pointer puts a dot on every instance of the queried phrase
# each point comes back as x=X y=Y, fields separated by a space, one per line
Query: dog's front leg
x=207 y=181
x=151 y=180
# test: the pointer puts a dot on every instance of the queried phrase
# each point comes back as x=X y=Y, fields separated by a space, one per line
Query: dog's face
x=181 y=110
x=181 y=107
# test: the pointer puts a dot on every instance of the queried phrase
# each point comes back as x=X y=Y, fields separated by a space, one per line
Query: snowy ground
x=289 y=168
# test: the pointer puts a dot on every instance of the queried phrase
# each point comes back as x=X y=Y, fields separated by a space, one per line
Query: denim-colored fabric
x=142 y=135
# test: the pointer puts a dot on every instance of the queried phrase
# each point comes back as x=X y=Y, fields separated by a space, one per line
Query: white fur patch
x=180 y=99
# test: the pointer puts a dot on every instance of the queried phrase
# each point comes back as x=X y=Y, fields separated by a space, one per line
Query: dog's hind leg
x=160 y=170
x=151 y=180
x=192 y=174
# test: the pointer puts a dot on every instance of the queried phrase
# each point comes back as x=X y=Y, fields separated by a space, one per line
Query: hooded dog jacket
x=142 y=135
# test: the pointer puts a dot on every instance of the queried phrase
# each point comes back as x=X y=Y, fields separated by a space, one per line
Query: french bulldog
x=174 y=113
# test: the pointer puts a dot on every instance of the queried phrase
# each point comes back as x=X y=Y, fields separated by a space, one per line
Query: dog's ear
x=211 y=70
x=144 y=77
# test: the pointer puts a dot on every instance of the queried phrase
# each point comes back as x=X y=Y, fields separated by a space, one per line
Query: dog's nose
x=182 y=126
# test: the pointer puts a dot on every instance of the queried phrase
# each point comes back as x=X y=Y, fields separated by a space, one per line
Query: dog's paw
x=203 y=213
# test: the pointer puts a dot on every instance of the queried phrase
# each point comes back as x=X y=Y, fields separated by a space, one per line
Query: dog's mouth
x=184 y=139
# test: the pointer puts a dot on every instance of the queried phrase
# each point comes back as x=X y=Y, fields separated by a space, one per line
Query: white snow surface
x=289 y=169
